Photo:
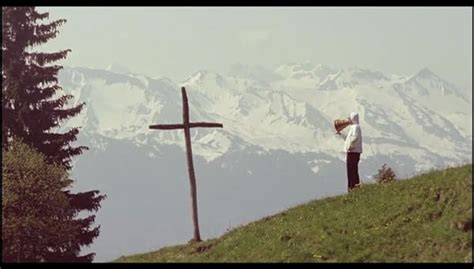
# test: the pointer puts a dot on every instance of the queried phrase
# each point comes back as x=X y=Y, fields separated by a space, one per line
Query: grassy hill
x=427 y=218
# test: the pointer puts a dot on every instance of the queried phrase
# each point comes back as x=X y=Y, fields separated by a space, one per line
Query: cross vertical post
x=189 y=155
x=186 y=126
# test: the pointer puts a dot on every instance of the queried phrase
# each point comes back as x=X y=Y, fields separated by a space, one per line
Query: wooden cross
x=186 y=125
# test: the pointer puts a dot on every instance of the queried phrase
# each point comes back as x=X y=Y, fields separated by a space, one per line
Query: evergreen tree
x=33 y=108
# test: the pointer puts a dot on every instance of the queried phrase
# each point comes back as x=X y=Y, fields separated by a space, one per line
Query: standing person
x=353 y=148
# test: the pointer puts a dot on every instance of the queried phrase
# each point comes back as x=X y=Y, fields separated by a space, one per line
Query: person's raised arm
x=342 y=135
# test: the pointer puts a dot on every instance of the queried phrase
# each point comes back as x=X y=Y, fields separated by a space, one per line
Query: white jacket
x=353 y=139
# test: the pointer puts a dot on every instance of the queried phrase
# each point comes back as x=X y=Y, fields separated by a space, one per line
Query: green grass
x=427 y=218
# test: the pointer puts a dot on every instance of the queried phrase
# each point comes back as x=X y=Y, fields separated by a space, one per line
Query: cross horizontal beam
x=191 y=125
x=205 y=125
x=167 y=126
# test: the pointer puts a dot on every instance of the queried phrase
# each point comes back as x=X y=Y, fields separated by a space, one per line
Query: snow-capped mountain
x=307 y=75
x=117 y=68
x=278 y=146
x=258 y=73
x=350 y=78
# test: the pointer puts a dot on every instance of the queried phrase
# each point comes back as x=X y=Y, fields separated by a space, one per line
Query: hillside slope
x=427 y=218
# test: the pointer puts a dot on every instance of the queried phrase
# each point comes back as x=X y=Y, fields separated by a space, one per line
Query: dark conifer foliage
x=34 y=107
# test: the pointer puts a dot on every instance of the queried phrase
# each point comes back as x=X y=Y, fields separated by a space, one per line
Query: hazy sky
x=177 y=41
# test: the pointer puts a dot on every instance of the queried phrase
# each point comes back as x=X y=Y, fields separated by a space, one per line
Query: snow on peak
x=122 y=106
x=117 y=68
x=363 y=74
x=304 y=75
x=426 y=82
x=350 y=78
x=398 y=78
x=426 y=73
x=305 y=69
x=254 y=72
x=200 y=76
x=164 y=80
